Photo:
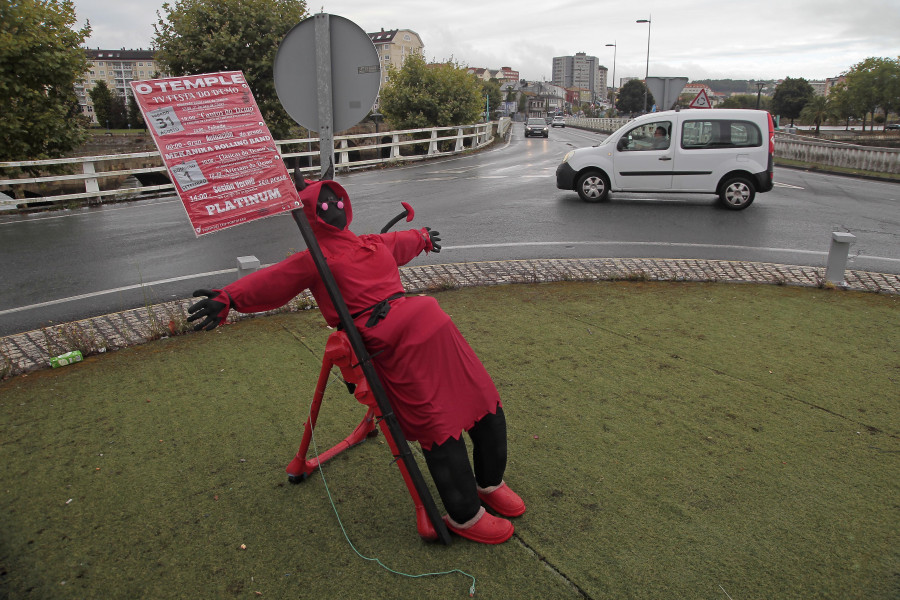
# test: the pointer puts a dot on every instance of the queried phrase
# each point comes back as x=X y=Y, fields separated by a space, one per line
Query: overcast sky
x=698 y=39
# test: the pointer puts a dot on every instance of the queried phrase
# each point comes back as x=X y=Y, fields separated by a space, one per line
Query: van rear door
x=711 y=147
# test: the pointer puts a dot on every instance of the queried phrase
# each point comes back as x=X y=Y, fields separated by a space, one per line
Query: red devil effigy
x=437 y=386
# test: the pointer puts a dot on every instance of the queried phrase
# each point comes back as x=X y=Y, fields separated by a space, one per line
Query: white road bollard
x=837 y=256
x=247 y=265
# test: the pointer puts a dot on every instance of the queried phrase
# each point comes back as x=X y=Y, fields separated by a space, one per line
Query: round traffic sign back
x=355 y=73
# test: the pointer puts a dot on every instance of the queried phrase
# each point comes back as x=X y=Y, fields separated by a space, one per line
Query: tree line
x=869 y=91
x=42 y=59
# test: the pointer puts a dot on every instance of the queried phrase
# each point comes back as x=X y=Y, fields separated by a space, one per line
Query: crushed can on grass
x=66 y=359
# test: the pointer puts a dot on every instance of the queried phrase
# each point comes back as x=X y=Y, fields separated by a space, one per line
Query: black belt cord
x=379 y=310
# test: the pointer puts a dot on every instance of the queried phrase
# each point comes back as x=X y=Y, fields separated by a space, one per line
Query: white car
x=727 y=152
x=558 y=121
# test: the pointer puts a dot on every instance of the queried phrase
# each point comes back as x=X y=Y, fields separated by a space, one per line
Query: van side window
x=649 y=136
x=724 y=133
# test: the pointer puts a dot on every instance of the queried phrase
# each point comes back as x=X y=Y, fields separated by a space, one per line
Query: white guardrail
x=351 y=152
x=838 y=154
x=603 y=125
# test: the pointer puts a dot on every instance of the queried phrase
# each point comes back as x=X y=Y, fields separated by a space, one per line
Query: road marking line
x=80 y=214
x=115 y=290
x=661 y=244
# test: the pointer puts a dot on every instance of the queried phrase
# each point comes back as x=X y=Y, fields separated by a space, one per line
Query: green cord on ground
x=347 y=537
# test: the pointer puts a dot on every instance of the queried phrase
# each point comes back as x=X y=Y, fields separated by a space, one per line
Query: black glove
x=435 y=239
x=212 y=311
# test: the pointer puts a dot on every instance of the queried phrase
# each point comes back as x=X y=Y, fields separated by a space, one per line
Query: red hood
x=310 y=196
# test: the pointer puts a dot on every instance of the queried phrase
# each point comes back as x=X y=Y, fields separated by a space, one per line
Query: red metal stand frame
x=339 y=353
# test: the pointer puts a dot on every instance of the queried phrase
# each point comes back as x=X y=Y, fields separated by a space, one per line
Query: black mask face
x=331 y=209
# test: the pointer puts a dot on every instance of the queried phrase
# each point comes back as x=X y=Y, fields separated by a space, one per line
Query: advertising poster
x=217 y=149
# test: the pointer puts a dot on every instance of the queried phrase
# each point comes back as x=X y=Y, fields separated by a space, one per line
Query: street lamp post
x=377 y=117
x=647 y=71
x=615 y=49
x=759 y=87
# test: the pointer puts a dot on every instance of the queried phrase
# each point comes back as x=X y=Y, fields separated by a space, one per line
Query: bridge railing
x=605 y=125
x=838 y=154
x=142 y=174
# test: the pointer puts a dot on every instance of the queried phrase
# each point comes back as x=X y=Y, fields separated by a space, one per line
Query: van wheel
x=593 y=187
x=737 y=193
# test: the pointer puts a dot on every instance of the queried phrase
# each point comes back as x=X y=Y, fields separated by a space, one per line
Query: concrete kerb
x=32 y=350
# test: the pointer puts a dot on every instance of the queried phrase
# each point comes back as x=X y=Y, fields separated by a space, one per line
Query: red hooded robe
x=437 y=385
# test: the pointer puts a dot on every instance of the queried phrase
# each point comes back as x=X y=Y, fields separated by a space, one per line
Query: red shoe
x=503 y=500
x=484 y=528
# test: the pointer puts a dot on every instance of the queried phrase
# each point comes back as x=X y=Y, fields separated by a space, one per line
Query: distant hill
x=730 y=86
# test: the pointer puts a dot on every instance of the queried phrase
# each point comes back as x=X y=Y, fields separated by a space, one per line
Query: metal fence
x=120 y=176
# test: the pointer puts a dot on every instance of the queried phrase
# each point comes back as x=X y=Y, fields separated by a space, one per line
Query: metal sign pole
x=325 y=98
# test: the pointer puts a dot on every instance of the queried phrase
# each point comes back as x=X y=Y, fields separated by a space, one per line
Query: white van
x=728 y=152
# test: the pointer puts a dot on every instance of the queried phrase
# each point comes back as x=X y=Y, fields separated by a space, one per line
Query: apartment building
x=118 y=68
x=504 y=75
x=581 y=71
x=833 y=81
x=695 y=88
x=543 y=99
x=507 y=75
x=394 y=46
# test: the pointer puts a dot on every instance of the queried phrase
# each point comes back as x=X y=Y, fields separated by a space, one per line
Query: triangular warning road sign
x=701 y=101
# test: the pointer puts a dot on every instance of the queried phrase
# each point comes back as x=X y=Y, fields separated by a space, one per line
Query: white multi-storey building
x=581 y=71
x=118 y=68
x=394 y=46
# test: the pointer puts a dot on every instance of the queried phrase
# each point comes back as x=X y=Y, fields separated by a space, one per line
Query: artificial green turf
x=670 y=440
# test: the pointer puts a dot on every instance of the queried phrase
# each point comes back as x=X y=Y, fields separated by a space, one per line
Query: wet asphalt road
x=495 y=205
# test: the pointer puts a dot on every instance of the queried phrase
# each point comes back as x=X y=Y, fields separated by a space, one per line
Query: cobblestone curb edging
x=25 y=352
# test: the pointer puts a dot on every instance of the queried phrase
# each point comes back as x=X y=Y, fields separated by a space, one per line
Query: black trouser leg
x=449 y=466
x=489 y=448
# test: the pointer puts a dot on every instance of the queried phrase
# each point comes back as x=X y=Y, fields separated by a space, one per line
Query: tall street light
x=759 y=86
x=647 y=71
x=615 y=49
